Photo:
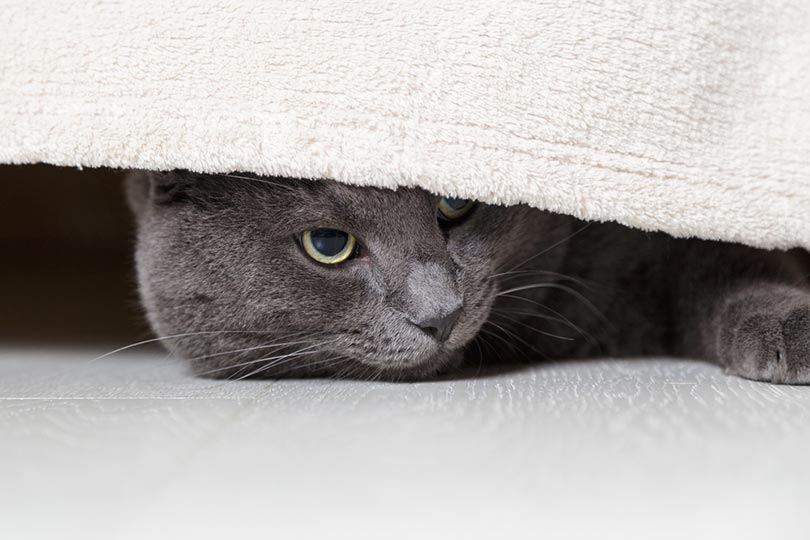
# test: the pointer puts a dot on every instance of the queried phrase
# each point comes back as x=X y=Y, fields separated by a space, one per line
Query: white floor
x=131 y=447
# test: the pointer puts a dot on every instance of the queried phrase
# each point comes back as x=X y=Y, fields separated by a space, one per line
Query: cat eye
x=452 y=209
x=328 y=246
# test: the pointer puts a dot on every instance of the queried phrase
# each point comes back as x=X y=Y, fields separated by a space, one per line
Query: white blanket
x=687 y=116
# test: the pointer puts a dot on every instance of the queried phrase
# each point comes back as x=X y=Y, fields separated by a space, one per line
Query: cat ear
x=168 y=187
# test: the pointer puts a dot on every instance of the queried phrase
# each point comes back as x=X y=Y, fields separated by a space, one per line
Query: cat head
x=264 y=276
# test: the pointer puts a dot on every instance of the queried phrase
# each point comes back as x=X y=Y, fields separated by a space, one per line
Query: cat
x=251 y=276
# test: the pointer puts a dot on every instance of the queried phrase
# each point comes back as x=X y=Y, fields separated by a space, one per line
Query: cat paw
x=771 y=345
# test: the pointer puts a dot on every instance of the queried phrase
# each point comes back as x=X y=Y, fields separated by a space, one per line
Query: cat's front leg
x=762 y=332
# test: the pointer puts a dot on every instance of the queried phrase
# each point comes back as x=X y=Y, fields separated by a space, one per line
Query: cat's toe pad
x=772 y=347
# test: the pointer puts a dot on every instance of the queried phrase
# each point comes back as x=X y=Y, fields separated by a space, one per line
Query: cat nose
x=439 y=327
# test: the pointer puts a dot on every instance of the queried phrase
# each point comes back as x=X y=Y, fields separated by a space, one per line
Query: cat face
x=277 y=277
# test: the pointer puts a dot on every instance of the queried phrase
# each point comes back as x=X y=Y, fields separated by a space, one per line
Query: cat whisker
x=377 y=375
x=533 y=329
x=515 y=336
x=283 y=361
x=483 y=339
x=483 y=333
x=553 y=246
x=340 y=374
x=538 y=304
x=575 y=293
x=174 y=336
x=516 y=274
x=332 y=361
x=272 y=360
x=530 y=314
x=543 y=306
x=170 y=357
x=259 y=347
x=268 y=359
x=349 y=372
x=559 y=319
x=503 y=339
x=258 y=180
x=229 y=380
x=477 y=341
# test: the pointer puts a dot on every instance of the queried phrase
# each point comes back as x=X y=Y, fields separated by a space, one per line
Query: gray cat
x=251 y=276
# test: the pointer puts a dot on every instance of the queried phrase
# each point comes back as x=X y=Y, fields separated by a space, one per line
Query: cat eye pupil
x=455 y=204
x=329 y=242
x=328 y=246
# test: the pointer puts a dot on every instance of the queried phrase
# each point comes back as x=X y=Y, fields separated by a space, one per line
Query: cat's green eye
x=452 y=209
x=328 y=246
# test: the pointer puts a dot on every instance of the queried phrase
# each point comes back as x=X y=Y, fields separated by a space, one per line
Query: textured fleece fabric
x=686 y=116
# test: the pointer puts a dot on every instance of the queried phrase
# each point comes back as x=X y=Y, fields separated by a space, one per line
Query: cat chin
x=420 y=368
x=415 y=370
